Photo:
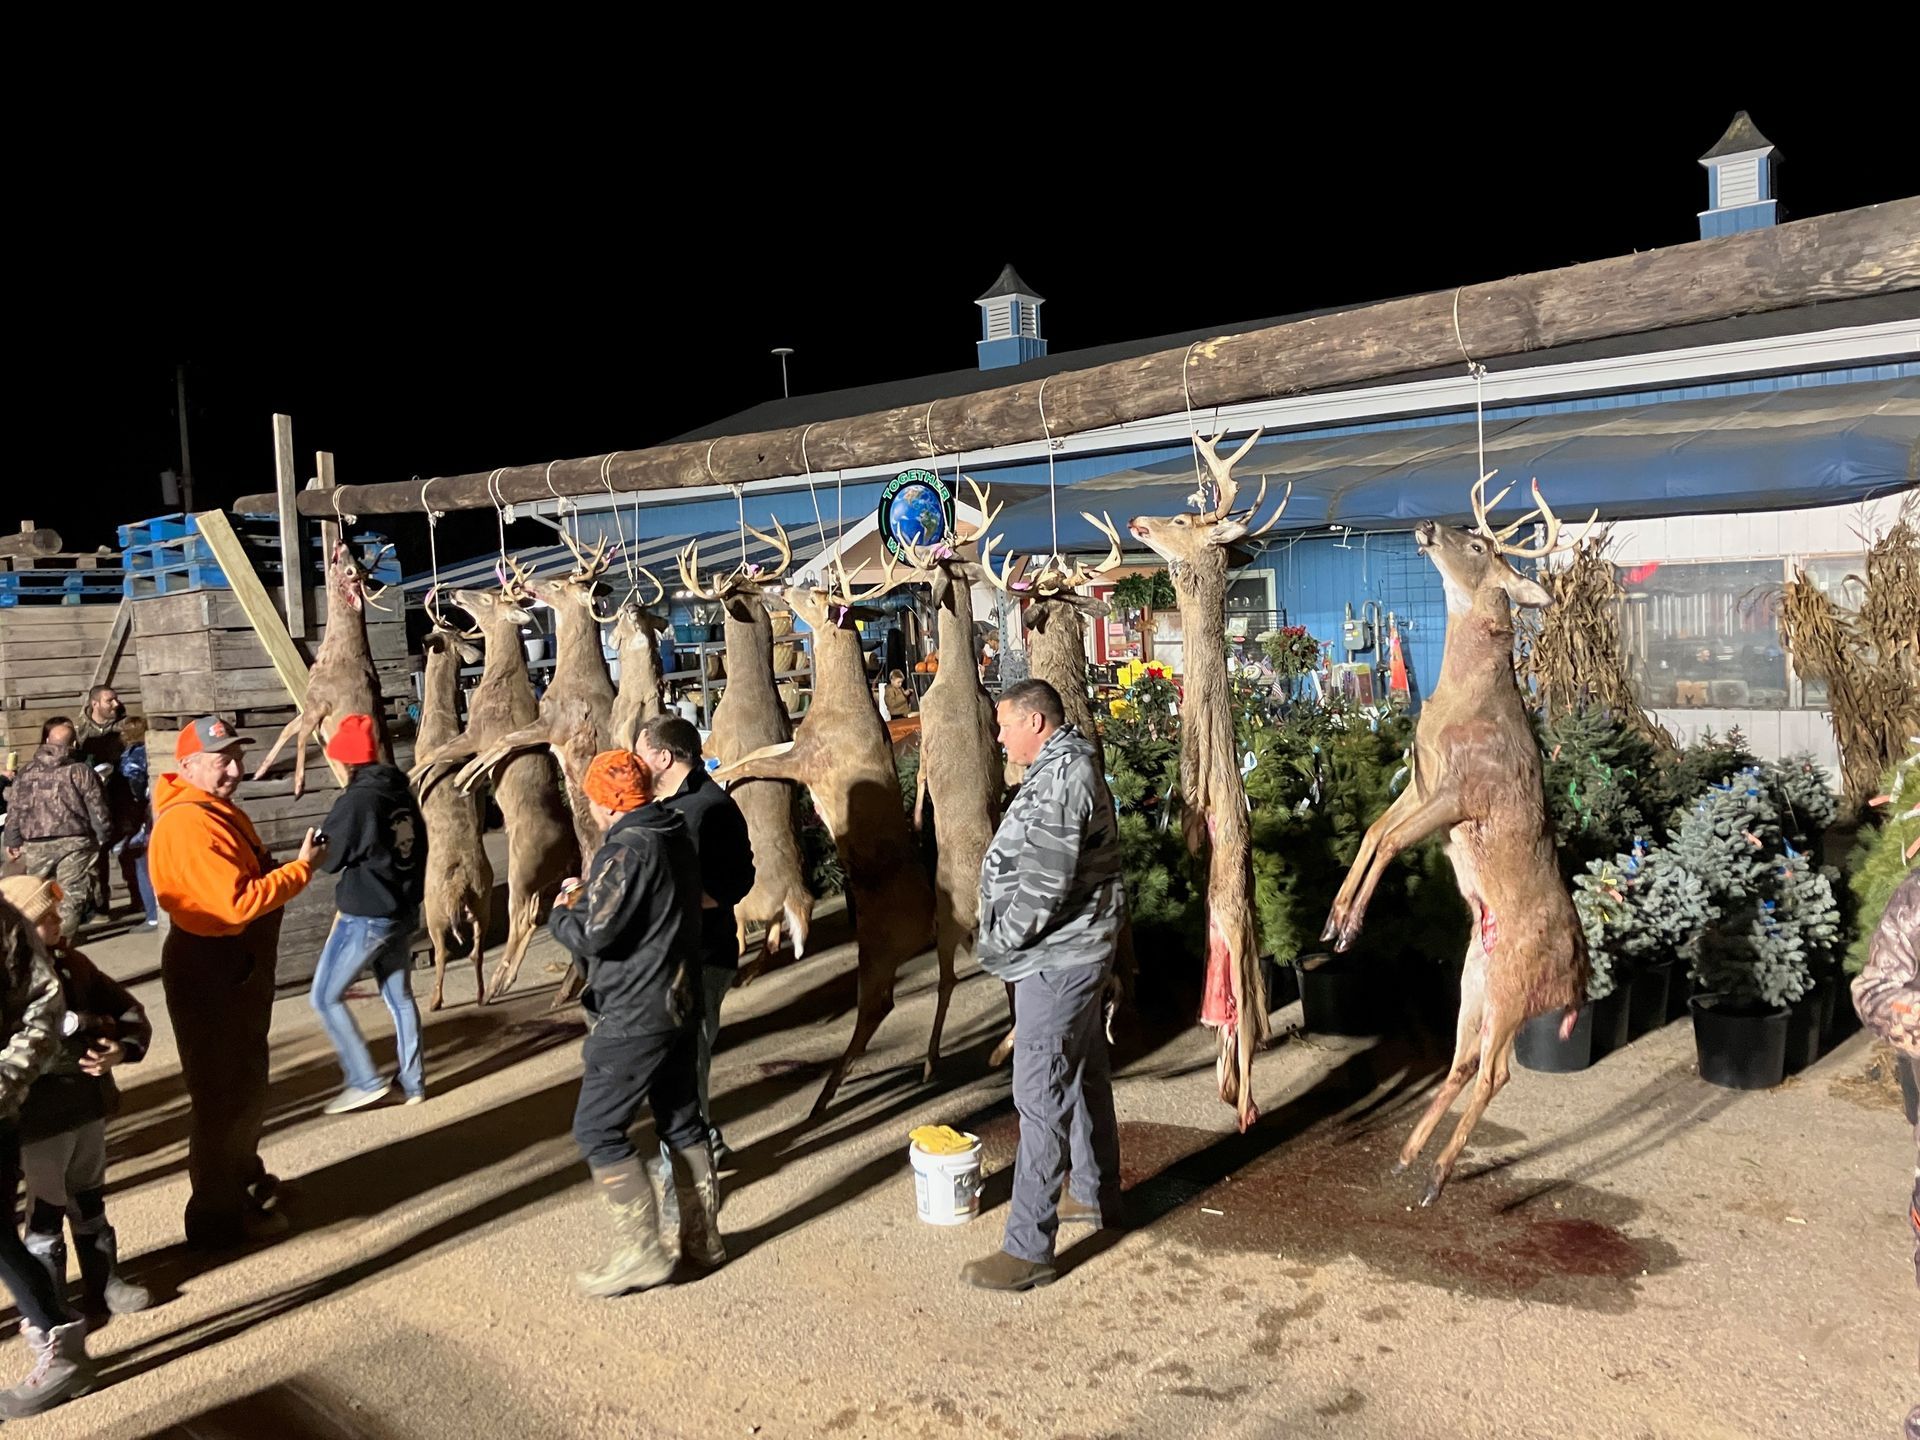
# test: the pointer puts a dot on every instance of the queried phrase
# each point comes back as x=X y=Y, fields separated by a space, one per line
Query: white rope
x=561 y=505
x=740 y=501
x=1479 y=373
x=433 y=547
x=626 y=553
x=499 y=509
x=1053 y=503
x=346 y=521
x=1193 y=433
x=806 y=465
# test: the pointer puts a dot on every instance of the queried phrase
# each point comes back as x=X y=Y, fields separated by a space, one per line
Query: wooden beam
x=1870 y=251
x=257 y=606
x=329 y=527
x=116 y=642
x=33 y=543
x=293 y=575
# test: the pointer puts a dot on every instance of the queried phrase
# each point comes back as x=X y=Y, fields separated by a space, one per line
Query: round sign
x=916 y=508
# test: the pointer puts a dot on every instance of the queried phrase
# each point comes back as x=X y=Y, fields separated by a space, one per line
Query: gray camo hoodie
x=1050 y=891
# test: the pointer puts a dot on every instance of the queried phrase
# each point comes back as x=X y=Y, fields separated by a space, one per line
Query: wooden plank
x=293 y=585
x=116 y=641
x=195 y=610
x=20 y=620
x=323 y=481
x=252 y=596
x=81 y=649
x=1874 y=250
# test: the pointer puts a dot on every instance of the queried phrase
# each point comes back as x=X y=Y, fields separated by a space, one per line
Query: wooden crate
x=47 y=658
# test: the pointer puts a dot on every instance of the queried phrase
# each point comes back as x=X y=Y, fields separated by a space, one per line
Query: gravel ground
x=1627 y=1252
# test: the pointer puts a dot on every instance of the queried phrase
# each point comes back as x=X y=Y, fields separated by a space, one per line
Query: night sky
x=471 y=292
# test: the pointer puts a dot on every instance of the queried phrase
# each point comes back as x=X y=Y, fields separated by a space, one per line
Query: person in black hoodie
x=671 y=749
x=633 y=926
x=378 y=848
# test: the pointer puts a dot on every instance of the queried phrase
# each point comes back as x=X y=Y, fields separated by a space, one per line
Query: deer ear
x=1226 y=532
x=469 y=654
x=1528 y=592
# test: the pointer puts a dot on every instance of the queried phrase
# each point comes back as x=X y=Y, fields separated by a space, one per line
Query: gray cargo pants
x=1064 y=1093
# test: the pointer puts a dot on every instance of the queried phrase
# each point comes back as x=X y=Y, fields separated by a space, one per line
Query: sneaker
x=415 y=1097
x=352 y=1099
x=61 y=1370
x=154 y=924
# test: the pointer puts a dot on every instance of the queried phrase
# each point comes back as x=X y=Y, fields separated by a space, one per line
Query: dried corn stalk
x=1573 y=658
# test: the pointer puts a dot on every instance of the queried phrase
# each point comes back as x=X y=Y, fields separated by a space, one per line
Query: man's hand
x=313 y=849
x=103 y=1056
x=13 y=852
x=570 y=890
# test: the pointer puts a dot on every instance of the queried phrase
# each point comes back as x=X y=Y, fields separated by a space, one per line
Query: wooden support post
x=257 y=605
x=29 y=542
x=293 y=573
x=329 y=529
x=116 y=642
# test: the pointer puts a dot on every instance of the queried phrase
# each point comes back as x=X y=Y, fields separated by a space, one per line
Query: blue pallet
x=189 y=551
x=175 y=580
x=58 y=587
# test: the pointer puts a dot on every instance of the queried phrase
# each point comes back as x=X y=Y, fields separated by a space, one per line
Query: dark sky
x=453 y=293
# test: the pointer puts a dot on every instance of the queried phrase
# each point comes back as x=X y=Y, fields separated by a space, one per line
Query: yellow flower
x=1120 y=709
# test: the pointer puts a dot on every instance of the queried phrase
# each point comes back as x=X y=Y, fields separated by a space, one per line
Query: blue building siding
x=1715 y=223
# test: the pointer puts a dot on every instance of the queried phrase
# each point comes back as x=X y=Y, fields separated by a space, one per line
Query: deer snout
x=1425 y=533
x=1137 y=527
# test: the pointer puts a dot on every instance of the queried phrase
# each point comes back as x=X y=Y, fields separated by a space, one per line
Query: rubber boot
x=697 y=1189
x=50 y=1249
x=638 y=1261
x=61 y=1370
x=106 y=1293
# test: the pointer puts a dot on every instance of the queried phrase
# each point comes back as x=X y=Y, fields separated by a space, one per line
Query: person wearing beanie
x=31 y=1014
x=63 y=1124
x=377 y=845
x=224 y=896
x=633 y=927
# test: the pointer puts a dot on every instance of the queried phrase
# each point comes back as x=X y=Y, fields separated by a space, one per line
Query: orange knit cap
x=618 y=781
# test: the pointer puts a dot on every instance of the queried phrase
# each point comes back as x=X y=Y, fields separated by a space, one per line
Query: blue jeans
x=133 y=869
x=356 y=943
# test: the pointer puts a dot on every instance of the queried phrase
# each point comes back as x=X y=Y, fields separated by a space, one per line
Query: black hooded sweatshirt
x=635 y=926
x=726 y=861
x=377 y=845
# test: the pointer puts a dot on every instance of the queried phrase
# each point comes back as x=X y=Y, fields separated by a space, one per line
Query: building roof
x=1010 y=283
x=921 y=389
x=1742 y=137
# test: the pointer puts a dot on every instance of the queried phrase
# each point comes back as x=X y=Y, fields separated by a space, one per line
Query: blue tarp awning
x=1786 y=449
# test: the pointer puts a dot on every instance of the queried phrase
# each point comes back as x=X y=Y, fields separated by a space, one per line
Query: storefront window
x=1705 y=634
x=1841 y=578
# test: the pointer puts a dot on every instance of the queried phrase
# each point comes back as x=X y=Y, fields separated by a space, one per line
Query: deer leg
x=769 y=762
x=1498 y=1030
x=1005 y=1047
x=526 y=738
x=1466 y=1055
x=458 y=748
x=522 y=911
x=876 y=1000
x=947 y=943
x=1397 y=829
x=799 y=912
x=479 y=955
x=280 y=743
x=438 y=934
x=919 y=793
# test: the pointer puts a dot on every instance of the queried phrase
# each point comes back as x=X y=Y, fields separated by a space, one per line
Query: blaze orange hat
x=616 y=780
x=354 y=742
x=209 y=732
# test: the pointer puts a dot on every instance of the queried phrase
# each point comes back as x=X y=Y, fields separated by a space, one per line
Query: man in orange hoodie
x=223 y=893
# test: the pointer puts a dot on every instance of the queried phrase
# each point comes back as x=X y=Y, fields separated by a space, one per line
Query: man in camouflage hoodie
x=1887 y=995
x=1051 y=910
x=58 y=820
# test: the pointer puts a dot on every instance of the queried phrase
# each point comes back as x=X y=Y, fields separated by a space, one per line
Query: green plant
x=1606 y=916
x=1291 y=651
x=1597 y=771
x=1147 y=590
x=1880 y=859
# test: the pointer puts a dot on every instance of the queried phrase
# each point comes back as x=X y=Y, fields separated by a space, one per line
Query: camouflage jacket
x=98 y=744
x=1050 y=892
x=56 y=796
x=31 y=1008
x=1887 y=991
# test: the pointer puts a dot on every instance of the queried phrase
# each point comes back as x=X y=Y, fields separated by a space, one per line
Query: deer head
x=1202 y=537
x=948 y=568
x=579 y=587
x=1476 y=563
x=833 y=603
x=1057 y=584
x=348 y=576
x=744 y=585
x=495 y=608
x=446 y=641
x=633 y=621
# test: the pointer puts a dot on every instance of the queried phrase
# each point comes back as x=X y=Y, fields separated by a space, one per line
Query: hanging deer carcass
x=575 y=717
x=960 y=762
x=1476 y=775
x=641 y=695
x=749 y=717
x=1215 y=818
x=459 y=881
x=1057 y=643
x=541 y=849
x=342 y=681
x=841 y=753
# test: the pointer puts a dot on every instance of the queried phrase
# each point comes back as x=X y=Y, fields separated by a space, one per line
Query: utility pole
x=186 y=458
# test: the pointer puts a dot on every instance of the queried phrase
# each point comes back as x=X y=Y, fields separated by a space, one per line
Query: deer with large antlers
x=459 y=881
x=841 y=753
x=575 y=719
x=1476 y=775
x=640 y=696
x=1215 y=819
x=342 y=681
x=960 y=767
x=541 y=849
x=1055 y=619
x=749 y=717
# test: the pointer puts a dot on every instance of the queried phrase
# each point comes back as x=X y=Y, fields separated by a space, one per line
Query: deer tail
x=1573 y=1019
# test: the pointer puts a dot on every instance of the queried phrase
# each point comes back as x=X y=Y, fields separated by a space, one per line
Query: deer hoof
x=1434 y=1187
x=1399 y=1167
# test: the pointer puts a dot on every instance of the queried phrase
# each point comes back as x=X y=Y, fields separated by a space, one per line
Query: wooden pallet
x=48 y=658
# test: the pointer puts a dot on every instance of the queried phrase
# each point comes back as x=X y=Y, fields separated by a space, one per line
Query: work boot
x=1001 y=1271
x=1072 y=1212
x=50 y=1249
x=61 y=1370
x=105 y=1292
x=697 y=1190
x=639 y=1261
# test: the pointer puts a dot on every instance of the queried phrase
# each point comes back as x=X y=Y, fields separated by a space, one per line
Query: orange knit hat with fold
x=617 y=781
x=354 y=743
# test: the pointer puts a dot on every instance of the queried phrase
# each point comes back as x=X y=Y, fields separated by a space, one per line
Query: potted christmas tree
x=1600 y=899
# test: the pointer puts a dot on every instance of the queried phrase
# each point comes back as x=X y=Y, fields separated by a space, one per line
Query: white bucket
x=947 y=1187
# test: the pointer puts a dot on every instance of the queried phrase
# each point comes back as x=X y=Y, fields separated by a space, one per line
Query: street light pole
x=783 y=351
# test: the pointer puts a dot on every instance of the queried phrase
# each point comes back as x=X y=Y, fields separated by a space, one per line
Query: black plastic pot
x=1647 y=1006
x=1738 y=1047
x=1841 y=1018
x=1679 y=992
x=1282 y=986
x=1803 y=1030
x=1338 y=997
x=1611 y=1016
x=1539 y=1046
x=1909 y=1087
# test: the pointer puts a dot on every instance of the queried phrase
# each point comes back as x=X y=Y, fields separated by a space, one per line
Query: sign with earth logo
x=916 y=508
